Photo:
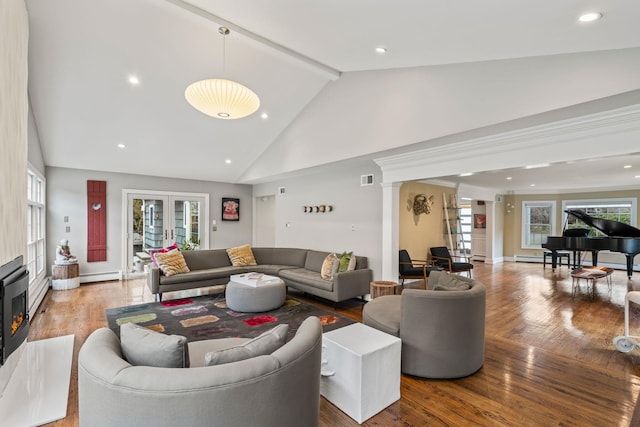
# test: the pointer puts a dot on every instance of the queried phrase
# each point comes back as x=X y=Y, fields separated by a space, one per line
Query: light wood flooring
x=549 y=358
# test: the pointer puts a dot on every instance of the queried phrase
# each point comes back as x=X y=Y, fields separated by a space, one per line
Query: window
x=621 y=210
x=538 y=222
x=35 y=224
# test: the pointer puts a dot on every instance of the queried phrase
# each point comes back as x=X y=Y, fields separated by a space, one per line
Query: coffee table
x=590 y=274
x=255 y=292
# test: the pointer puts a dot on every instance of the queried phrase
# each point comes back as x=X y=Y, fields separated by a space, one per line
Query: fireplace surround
x=14 y=306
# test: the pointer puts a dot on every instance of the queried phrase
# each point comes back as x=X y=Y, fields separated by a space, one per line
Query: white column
x=390 y=226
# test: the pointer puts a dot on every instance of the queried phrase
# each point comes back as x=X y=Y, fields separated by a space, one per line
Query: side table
x=65 y=276
x=360 y=370
x=381 y=287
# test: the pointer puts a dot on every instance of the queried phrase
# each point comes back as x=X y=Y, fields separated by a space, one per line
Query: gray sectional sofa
x=298 y=268
x=279 y=389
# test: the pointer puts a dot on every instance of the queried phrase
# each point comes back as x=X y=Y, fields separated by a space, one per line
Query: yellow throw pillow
x=329 y=267
x=172 y=262
x=242 y=256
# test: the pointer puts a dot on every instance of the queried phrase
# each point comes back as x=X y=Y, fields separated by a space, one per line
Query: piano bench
x=560 y=254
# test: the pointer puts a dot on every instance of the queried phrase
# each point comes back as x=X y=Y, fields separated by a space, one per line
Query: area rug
x=206 y=317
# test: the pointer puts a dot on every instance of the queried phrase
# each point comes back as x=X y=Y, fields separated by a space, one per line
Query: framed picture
x=230 y=209
x=479 y=221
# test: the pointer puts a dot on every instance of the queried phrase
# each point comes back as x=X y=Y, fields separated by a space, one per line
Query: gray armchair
x=442 y=328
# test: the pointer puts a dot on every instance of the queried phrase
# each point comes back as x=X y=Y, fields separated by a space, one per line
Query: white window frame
x=632 y=202
x=526 y=204
x=36 y=222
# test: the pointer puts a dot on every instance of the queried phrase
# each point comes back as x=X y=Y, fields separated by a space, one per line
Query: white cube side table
x=360 y=370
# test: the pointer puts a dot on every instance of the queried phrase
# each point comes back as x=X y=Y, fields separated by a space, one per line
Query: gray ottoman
x=254 y=299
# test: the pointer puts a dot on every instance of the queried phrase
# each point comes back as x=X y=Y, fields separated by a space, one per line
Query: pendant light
x=222 y=98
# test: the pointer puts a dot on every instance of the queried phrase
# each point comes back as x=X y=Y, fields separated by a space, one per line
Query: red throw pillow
x=152 y=252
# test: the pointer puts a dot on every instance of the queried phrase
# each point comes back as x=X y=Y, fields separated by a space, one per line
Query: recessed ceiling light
x=509 y=178
x=637 y=176
x=122 y=146
x=627 y=166
x=381 y=49
x=466 y=174
x=134 y=80
x=264 y=116
x=543 y=165
x=228 y=161
x=532 y=185
x=590 y=17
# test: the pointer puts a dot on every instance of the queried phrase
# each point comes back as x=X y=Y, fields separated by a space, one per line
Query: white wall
x=354 y=207
x=14 y=40
x=392 y=108
x=67 y=196
x=35 y=151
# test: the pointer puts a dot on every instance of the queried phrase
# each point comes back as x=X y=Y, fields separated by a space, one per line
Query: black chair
x=443 y=259
x=413 y=269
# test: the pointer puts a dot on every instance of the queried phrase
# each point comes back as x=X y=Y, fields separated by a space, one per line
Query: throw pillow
x=347 y=262
x=144 y=347
x=241 y=256
x=461 y=286
x=329 y=267
x=153 y=252
x=451 y=282
x=172 y=262
x=265 y=343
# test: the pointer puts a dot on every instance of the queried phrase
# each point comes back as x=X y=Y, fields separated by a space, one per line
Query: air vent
x=366 y=180
x=281 y=190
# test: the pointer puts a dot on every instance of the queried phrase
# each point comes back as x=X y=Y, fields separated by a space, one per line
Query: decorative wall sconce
x=317 y=209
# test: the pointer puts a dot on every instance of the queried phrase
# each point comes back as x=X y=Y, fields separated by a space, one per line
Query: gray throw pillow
x=265 y=343
x=451 y=282
x=461 y=286
x=144 y=347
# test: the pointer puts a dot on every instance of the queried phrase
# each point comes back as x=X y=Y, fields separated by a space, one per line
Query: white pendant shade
x=222 y=99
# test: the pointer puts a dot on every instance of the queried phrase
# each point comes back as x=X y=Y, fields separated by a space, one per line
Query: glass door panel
x=146 y=229
x=187 y=219
x=154 y=235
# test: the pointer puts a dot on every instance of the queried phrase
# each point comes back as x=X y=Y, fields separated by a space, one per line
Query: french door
x=157 y=219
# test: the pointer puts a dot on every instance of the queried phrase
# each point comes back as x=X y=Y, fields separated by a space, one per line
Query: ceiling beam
x=324 y=70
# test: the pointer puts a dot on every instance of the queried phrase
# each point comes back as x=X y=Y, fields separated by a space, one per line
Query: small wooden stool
x=382 y=287
x=65 y=276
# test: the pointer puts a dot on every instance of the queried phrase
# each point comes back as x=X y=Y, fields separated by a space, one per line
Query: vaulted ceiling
x=328 y=95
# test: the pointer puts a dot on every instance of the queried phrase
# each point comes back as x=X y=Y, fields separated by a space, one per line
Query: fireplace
x=14 y=305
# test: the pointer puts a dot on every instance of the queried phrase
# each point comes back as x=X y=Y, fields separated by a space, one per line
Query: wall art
x=230 y=209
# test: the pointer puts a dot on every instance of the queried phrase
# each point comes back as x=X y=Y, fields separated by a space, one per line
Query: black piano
x=621 y=237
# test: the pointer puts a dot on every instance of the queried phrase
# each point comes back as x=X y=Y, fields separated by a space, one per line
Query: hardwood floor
x=549 y=359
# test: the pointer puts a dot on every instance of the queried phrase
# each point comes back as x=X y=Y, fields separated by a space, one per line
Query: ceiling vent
x=366 y=180
x=281 y=191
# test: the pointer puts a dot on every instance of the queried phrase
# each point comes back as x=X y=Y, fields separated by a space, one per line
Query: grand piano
x=620 y=237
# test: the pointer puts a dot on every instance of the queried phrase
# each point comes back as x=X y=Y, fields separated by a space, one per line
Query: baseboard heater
x=100 y=277
x=615 y=266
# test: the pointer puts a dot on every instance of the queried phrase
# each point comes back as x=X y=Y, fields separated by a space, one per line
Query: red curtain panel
x=96 y=221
